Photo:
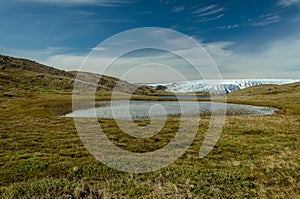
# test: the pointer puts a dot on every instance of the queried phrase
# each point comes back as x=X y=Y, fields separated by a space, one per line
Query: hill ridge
x=22 y=74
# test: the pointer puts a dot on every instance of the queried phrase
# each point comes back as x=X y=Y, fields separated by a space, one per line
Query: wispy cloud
x=85 y=13
x=211 y=12
x=104 y=3
x=266 y=19
x=178 y=9
x=98 y=48
x=209 y=19
x=260 y=21
x=146 y=12
x=228 y=27
x=203 y=9
x=286 y=3
x=207 y=13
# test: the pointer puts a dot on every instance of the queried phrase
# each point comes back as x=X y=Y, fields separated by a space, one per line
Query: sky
x=245 y=39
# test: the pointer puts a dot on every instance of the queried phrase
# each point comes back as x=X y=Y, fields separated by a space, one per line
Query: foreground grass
x=41 y=156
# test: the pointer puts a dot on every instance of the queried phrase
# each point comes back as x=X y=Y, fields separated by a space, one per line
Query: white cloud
x=203 y=9
x=219 y=48
x=208 y=13
x=86 y=13
x=146 y=12
x=35 y=54
x=51 y=56
x=279 y=59
x=286 y=3
x=98 y=48
x=260 y=21
x=178 y=9
x=209 y=19
x=267 y=19
x=211 y=12
x=228 y=27
x=69 y=62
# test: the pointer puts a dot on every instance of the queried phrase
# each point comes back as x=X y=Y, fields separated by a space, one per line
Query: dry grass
x=255 y=157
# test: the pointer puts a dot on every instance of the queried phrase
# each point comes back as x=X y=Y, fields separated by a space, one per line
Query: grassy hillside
x=21 y=77
x=285 y=97
x=41 y=155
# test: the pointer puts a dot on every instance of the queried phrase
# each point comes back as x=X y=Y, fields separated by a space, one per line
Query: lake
x=145 y=110
x=185 y=97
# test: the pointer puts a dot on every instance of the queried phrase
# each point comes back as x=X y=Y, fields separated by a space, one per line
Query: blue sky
x=246 y=39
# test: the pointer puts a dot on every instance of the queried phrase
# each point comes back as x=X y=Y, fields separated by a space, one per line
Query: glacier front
x=223 y=86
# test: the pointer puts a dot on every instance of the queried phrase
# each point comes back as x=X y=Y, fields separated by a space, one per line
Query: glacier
x=223 y=86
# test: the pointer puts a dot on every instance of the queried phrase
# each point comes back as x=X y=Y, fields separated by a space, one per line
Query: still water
x=145 y=110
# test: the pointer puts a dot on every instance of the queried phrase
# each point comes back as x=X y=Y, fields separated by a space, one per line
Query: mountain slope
x=20 y=77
